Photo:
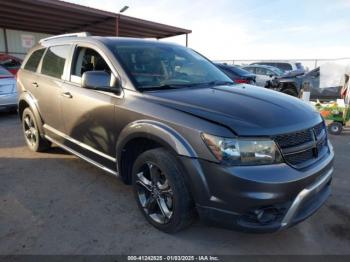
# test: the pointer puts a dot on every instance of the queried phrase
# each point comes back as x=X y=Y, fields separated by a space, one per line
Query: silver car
x=263 y=73
x=8 y=91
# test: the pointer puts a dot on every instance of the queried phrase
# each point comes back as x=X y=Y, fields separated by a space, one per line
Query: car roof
x=276 y=62
x=261 y=66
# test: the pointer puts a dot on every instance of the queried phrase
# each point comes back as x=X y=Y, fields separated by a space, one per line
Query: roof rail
x=81 y=34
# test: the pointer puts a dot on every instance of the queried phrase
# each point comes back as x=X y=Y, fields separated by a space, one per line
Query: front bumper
x=258 y=198
x=8 y=100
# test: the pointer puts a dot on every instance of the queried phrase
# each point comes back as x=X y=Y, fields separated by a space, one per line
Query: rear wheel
x=32 y=134
x=335 y=128
x=160 y=191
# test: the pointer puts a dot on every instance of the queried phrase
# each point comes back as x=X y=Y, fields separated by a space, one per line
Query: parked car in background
x=11 y=63
x=312 y=80
x=292 y=85
x=8 y=91
x=168 y=122
x=286 y=67
x=237 y=75
x=264 y=74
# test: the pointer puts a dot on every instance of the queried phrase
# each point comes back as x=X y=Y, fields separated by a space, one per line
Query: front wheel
x=161 y=192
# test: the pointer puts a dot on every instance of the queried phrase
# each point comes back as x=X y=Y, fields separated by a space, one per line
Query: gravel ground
x=55 y=203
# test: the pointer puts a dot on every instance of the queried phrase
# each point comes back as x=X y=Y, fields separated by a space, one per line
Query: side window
x=284 y=66
x=229 y=73
x=261 y=71
x=250 y=69
x=54 y=61
x=270 y=73
x=87 y=59
x=34 y=60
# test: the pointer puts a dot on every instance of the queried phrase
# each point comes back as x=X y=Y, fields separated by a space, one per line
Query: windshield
x=278 y=71
x=158 y=66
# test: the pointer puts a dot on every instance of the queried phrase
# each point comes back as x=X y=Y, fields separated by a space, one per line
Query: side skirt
x=82 y=156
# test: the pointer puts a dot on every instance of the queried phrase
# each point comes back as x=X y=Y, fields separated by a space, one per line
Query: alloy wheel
x=30 y=131
x=154 y=193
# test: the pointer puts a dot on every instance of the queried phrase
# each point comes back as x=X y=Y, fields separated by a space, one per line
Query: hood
x=245 y=109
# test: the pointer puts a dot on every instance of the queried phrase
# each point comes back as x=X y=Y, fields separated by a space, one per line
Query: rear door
x=48 y=85
x=261 y=76
x=28 y=76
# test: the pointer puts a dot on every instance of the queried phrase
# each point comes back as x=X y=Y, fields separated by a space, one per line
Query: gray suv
x=168 y=122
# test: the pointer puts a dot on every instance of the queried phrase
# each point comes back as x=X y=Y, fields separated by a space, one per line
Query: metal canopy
x=57 y=17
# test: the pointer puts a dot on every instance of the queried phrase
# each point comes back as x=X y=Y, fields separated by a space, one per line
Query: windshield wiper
x=169 y=86
x=177 y=86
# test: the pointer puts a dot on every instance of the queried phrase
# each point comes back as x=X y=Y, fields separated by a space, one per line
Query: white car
x=8 y=90
x=264 y=74
x=285 y=67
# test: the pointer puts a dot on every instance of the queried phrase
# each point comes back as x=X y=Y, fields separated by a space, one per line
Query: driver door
x=88 y=115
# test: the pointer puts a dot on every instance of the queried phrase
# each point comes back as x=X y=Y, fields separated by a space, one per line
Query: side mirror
x=101 y=80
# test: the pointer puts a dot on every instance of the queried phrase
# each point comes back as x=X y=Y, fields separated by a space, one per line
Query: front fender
x=157 y=131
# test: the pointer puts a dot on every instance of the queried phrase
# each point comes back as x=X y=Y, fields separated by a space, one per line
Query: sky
x=250 y=29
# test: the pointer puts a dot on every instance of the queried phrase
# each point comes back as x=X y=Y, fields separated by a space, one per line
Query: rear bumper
x=8 y=100
x=259 y=199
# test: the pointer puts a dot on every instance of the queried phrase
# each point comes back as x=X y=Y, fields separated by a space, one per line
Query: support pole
x=186 y=40
x=6 y=43
x=117 y=21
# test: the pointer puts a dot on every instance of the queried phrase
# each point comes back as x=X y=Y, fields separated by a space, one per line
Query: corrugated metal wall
x=14 y=41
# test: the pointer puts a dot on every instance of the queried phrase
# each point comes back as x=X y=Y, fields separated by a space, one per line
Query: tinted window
x=284 y=66
x=250 y=69
x=54 y=61
x=34 y=60
x=299 y=66
x=229 y=72
x=261 y=71
x=87 y=59
x=10 y=63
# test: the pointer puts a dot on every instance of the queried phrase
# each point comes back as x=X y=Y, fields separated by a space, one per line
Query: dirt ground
x=55 y=203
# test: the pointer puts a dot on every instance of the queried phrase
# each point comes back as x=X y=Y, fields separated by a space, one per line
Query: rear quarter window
x=54 y=61
x=34 y=60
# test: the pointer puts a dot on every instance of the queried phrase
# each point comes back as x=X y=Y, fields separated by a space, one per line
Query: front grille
x=319 y=128
x=299 y=158
x=294 y=139
x=304 y=147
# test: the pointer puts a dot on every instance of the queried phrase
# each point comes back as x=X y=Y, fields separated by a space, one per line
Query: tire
x=31 y=132
x=335 y=128
x=290 y=91
x=161 y=192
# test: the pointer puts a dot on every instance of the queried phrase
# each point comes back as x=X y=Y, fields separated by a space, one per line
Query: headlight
x=243 y=151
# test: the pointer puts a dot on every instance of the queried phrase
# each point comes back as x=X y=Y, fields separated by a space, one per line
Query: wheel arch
x=143 y=135
x=289 y=85
x=27 y=100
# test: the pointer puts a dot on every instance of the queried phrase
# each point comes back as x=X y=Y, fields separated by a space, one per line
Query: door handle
x=35 y=84
x=67 y=95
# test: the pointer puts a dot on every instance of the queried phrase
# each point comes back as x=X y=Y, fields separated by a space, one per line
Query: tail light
x=242 y=81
